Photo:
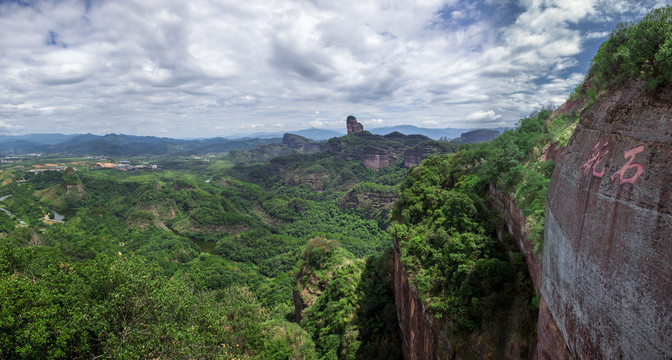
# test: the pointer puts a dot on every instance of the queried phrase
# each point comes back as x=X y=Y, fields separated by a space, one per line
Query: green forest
x=246 y=255
x=278 y=253
x=198 y=258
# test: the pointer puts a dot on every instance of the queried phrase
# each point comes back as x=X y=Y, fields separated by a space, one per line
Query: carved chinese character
x=639 y=169
x=596 y=156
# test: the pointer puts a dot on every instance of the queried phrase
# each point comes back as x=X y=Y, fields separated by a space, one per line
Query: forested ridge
x=198 y=258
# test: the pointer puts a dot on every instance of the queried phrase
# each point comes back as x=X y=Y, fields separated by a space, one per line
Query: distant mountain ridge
x=432 y=133
x=134 y=145
x=121 y=145
x=436 y=134
x=312 y=133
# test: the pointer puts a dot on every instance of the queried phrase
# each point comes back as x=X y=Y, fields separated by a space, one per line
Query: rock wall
x=422 y=336
x=375 y=158
x=352 y=125
x=515 y=224
x=413 y=157
x=607 y=274
x=550 y=341
x=426 y=338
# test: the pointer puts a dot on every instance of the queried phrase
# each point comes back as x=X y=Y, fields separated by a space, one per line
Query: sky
x=200 y=68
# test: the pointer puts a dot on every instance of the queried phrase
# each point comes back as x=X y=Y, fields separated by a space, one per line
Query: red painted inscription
x=639 y=169
x=596 y=167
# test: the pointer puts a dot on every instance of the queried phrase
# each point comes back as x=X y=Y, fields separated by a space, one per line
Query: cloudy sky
x=205 y=68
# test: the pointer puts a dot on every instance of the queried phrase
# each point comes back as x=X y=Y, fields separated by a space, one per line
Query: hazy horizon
x=252 y=134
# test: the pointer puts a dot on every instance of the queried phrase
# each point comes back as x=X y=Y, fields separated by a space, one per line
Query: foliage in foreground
x=639 y=51
x=124 y=308
x=351 y=312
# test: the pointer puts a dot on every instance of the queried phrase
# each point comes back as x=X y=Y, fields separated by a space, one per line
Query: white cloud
x=597 y=35
x=483 y=115
x=209 y=67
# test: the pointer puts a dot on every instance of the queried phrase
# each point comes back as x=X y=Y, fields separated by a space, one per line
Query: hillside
x=190 y=235
x=591 y=242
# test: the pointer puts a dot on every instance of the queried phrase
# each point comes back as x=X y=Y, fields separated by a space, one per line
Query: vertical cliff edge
x=591 y=215
x=607 y=274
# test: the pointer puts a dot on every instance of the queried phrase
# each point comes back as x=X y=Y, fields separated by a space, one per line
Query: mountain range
x=120 y=145
x=323 y=134
x=132 y=145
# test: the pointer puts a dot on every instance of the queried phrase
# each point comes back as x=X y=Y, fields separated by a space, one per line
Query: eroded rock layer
x=607 y=274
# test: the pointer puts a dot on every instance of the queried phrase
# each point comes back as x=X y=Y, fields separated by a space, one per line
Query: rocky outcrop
x=375 y=158
x=353 y=125
x=480 y=135
x=373 y=151
x=300 y=143
x=607 y=274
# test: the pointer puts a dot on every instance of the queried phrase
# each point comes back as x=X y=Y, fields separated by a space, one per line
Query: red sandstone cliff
x=426 y=337
x=423 y=337
x=607 y=274
x=550 y=342
x=352 y=125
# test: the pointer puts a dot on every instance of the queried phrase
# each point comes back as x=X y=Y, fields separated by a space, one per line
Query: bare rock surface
x=353 y=125
x=607 y=274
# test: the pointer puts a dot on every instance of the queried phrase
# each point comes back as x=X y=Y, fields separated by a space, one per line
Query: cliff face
x=352 y=125
x=421 y=334
x=607 y=274
x=550 y=341
x=515 y=224
x=375 y=158
x=413 y=157
x=424 y=337
x=480 y=135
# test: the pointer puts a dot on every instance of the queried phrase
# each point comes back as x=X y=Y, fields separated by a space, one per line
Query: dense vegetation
x=447 y=230
x=347 y=303
x=125 y=308
x=195 y=259
x=640 y=51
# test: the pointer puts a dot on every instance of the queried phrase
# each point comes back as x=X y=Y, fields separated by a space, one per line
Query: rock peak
x=353 y=125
